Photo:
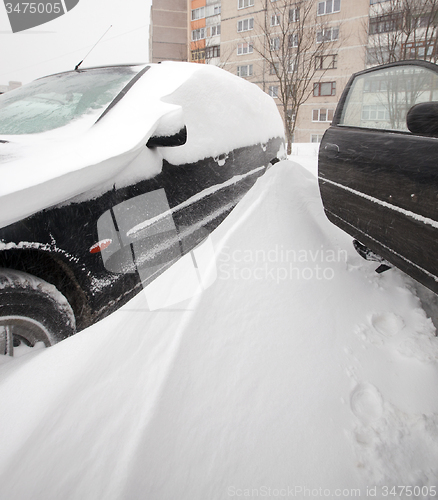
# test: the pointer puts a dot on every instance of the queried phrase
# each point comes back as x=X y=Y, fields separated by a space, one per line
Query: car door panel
x=199 y=196
x=395 y=168
x=380 y=185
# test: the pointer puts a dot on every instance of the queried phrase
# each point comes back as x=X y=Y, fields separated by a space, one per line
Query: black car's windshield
x=57 y=100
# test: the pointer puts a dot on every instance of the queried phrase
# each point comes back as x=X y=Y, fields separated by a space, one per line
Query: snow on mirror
x=381 y=99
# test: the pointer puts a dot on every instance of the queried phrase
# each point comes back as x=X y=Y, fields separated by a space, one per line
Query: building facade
x=168 y=30
x=279 y=44
x=346 y=55
x=205 y=31
x=248 y=26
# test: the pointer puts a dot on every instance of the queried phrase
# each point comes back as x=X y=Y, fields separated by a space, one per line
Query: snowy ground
x=299 y=373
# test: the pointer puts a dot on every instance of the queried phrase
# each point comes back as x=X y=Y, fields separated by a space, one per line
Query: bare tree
x=294 y=44
x=403 y=29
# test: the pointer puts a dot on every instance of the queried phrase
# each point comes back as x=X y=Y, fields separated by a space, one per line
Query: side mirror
x=422 y=119
x=167 y=141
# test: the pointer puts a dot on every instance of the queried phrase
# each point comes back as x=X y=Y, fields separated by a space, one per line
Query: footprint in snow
x=383 y=326
x=387 y=324
x=366 y=403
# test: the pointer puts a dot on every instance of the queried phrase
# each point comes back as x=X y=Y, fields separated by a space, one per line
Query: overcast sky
x=60 y=44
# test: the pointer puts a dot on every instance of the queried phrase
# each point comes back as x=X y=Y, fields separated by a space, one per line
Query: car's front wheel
x=31 y=311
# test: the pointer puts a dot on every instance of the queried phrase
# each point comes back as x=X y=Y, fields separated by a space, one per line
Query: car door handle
x=332 y=150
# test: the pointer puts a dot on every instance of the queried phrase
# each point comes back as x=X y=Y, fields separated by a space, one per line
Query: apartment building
x=205 y=31
x=168 y=31
x=400 y=31
x=345 y=55
x=341 y=25
x=335 y=38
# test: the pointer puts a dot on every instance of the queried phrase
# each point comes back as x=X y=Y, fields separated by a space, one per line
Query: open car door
x=378 y=165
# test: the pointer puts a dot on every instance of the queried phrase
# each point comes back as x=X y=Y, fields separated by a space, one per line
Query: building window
x=202 y=12
x=294 y=15
x=198 y=55
x=245 y=24
x=316 y=138
x=377 y=55
x=293 y=40
x=327 y=35
x=386 y=23
x=275 y=43
x=419 y=49
x=324 y=89
x=245 y=70
x=326 y=62
x=213 y=51
x=372 y=85
x=375 y=112
x=198 y=34
x=273 y=91
x=244 y=48
x=274 y=68
x=328 y=7
x=215 y=9
x=421 y=21
x=322 y=115
x=243 y=4
x=275 y=20
x=198 y=13
x=290 y=89
x=215 y=30
x=290 y=115
x=372 y=2
x=290 y=67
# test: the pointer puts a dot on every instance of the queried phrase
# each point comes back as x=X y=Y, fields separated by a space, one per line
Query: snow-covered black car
x=108 y=176
x=377 y=164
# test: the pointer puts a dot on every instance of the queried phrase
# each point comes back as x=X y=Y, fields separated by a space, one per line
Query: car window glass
x=57 y=100
x=381 y=99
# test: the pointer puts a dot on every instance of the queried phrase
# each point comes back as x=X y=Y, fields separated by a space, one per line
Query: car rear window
x=57 y=100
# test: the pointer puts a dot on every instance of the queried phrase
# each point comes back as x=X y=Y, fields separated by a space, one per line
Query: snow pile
x=299 y=372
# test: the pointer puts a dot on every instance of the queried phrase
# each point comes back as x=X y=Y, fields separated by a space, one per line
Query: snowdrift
x=298 y=373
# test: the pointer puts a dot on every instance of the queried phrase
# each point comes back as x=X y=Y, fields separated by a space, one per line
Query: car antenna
x=77 y=65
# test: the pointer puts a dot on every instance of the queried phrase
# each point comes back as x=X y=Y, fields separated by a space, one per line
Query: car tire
x=31 y=311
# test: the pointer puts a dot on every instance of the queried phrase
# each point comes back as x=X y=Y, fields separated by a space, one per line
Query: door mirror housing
x=168 y=141
x=170 y=130
x=422 y=119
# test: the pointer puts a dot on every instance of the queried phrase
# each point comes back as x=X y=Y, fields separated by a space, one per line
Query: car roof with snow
x=221 y=111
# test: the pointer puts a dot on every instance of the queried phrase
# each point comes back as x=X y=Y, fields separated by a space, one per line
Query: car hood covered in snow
x=41 y=170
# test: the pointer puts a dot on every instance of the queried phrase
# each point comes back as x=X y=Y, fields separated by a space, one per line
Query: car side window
x=382 y=98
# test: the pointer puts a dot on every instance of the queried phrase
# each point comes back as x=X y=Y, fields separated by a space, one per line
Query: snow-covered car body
x=378 y=166
x=140 y=157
